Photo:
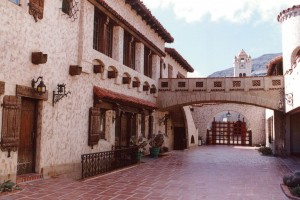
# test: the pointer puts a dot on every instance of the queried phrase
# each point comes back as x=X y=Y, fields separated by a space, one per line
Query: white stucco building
x=107 y=56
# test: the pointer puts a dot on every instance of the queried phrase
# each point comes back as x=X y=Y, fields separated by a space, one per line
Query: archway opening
x=229 y=128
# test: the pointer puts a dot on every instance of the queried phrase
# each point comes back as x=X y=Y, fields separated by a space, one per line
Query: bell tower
x=242 y=65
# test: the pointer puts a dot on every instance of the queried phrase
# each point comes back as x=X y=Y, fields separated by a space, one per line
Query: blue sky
x=209 y=34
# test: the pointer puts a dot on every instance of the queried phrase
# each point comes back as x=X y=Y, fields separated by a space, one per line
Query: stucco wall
x=191 y=128
x=203 y=116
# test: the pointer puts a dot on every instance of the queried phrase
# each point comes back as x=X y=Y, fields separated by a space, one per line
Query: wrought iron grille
x=256 y=83
x=101 y=162
x=276 y=82
x=236 y=84
x=181 y=84
x=199 y=84
x=217 y=84
x=164 y=84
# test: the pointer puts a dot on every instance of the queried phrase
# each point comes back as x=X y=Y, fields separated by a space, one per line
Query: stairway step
x=28 y=177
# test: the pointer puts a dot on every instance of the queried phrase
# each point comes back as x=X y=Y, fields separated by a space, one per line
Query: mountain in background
x=258 y=67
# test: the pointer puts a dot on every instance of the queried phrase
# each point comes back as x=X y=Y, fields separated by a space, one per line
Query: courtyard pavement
x=205 y=172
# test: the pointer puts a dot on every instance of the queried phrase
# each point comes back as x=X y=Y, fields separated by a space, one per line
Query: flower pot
x=154 y=151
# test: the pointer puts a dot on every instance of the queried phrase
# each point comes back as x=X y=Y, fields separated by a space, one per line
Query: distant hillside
x=258 y=66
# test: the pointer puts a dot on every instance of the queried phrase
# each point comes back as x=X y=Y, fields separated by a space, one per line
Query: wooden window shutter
x=36 y=9
x=94 y=126
x=11 y=116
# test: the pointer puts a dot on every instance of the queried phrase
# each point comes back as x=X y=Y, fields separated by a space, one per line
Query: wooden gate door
x=123 y=130
x=229 y=133
x=26 y=151
x=180 y=141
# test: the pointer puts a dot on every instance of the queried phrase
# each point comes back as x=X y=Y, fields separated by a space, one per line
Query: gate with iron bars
x=229 y=133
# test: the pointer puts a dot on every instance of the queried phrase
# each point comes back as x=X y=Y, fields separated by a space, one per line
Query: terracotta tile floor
x=206 y=172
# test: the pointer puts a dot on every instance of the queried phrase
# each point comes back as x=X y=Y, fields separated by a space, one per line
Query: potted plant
x=140 y=143
x=156 y=141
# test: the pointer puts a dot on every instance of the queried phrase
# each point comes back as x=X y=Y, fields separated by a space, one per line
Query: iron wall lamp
x=228 y=114
x=60 y=93
x=289 y=99
x=164 y=119
x=41 y=87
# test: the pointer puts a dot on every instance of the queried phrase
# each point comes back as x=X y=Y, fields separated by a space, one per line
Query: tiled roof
x=270 y=66
x=122 y=98
x=146 y=15
x=131 y=27
x=178 y=58
x=287 y=10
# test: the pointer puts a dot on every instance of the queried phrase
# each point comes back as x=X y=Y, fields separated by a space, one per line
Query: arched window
x=244 y=74
x=240 y=75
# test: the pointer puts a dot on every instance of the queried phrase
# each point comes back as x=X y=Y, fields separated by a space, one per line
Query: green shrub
x=7 y=186
x=265 y=150
x=296 y=191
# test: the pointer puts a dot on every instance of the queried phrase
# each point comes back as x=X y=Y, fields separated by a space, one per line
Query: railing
x=101 y=162
x=222 y=84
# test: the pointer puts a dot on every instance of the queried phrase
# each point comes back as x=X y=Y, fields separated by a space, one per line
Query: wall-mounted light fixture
x=41 y=87
x=280 y=105
x=163 y=119
x=60 y=93
x=289 y=99
x=228 y=114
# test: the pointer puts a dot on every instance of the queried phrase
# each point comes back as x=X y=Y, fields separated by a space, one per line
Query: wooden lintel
x=25 y=91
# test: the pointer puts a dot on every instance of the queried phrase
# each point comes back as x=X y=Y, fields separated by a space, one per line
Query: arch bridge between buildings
x=264 y=92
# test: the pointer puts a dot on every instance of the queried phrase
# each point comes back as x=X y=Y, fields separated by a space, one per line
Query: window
x=244 y=74
x=102 y=124
x=129 y=50
x=103 y=33
x=66 y=6
x=15 y=1
x=147 y=62
x=240 y=75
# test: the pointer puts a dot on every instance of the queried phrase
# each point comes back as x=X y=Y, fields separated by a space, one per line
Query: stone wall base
x=11 y=177
x=71 y=170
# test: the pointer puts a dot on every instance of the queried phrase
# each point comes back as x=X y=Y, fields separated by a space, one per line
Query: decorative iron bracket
x=289 y=99
x=61 y=93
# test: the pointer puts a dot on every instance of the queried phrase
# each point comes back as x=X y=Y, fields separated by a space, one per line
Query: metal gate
x=229 y=133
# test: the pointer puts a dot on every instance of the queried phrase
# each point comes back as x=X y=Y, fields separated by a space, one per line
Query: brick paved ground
x=206 y=172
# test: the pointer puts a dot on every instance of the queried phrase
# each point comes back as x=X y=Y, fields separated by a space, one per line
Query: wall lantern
x=228 y=114
x=164 y=119
x=60 y=93
x=289 y=99
x=280 y=105
x=41 y=87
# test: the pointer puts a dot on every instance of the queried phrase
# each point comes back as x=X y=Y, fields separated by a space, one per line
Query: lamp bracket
x=60 y=93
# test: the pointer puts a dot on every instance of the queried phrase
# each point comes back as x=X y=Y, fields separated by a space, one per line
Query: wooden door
x=26 y=151
x=124 y=130
x=180 y=141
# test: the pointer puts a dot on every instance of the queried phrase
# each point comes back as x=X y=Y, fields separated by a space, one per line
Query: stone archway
x=203 y=116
